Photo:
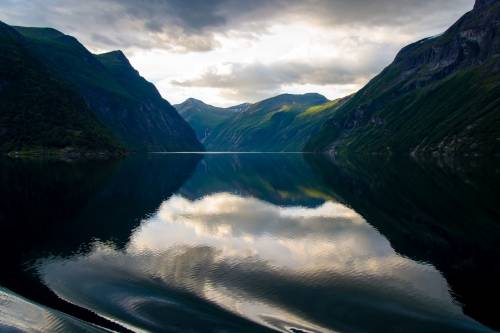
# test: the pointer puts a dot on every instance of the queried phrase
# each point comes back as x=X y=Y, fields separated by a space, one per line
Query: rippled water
x=244 y=243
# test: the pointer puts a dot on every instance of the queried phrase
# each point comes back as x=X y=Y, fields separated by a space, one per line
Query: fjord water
x=249 y=243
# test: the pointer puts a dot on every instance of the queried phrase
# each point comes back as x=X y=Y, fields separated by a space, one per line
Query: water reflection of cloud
x=306 y=267
x=288 y=236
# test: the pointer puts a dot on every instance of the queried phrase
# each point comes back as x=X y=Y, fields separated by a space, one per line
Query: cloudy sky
x=230 y=51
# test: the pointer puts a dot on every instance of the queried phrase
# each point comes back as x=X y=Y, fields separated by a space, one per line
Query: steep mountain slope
x=281 y=123
x=203 y=118
x=124 y=101
x=40 y=113
x=441 y=95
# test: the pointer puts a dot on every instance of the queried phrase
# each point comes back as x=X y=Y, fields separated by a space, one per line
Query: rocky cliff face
x=471 y=41
x=439 y=96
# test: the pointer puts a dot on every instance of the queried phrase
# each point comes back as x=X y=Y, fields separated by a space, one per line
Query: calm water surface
x=248 y=243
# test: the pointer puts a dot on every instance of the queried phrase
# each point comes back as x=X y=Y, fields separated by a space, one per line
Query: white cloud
x=182 y=41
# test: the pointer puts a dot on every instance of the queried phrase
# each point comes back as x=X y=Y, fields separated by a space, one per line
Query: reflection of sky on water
x=199 y=262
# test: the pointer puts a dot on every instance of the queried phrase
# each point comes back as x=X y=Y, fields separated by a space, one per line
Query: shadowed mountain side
x=119 y=97
x=39 y=112
x=282 y=179
x=58 y=207
x=445 y=215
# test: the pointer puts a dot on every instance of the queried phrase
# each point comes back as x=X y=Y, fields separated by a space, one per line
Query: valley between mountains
x=440 y=96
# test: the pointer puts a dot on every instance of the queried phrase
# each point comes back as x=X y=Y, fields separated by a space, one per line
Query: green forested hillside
x=121 y=99
x=38 y=112
x=203 y=117
x=281 y=123
x=441 y=95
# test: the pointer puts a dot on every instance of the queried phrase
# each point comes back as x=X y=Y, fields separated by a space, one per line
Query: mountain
x=440 y=96
x=203 y=118
x=281 y=123
x=120 y=98
x=240 y=107
x=38 y=111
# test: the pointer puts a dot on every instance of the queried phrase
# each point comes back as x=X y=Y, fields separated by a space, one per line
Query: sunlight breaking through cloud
x=269 y=44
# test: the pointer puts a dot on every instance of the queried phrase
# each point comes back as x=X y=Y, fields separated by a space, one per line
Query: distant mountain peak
x=193 y=101
x=302 y=99
x=309 y=95
x=306 y=96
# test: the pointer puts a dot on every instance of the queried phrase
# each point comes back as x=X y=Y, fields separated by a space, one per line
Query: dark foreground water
x=249 y=243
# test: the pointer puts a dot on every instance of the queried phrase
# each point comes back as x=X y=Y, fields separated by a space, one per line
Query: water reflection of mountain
x=282 y=179
x=320 y=269
x=57 y=208
x=447 y=215
x=252 y=241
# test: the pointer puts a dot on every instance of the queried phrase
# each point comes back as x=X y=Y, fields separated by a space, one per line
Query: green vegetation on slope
x=455 y=115
x=314 y=110
x=115 y=92
x=282 y=123
x=439 y=96
x=203 y=118
x=40 y=113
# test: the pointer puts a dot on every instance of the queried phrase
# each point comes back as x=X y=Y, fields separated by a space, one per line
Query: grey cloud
x=259 y=80
x=190 y=25
x=122 y=24
x=199 y=15
x=383 y=12
x=192 y=15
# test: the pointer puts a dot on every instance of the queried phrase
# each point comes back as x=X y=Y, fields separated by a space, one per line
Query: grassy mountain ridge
x=203 y=117
x=439 y=96
x=38 y=111
x=281 y=123
x=121 y=99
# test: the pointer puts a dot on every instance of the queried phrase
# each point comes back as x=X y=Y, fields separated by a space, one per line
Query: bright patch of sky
x=226 y=52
